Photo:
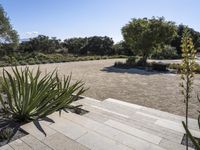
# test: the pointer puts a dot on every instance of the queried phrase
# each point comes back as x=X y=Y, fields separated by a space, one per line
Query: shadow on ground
x=139 y=71
x=14 y=131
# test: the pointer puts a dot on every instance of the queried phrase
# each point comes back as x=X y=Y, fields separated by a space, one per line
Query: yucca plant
x=187 y=73
x=31 y=96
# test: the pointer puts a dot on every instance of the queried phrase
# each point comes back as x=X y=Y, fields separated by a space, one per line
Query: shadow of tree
x=140 y=71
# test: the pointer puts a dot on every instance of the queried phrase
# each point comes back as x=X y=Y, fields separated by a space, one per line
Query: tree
x=177 y=40
x=187 y=72
x=121 y=48
x=74 y=45
x=95 y=45
x=8 y=36
x=98 y=45
x=144 y=35
x=41 y=43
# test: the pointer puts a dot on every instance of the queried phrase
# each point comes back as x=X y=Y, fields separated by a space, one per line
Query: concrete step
x=105 y=130
x=151 y=113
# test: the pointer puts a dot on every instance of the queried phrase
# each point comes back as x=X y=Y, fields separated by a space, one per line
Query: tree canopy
x=177 y=41
x=8 y=35
x=95 y=45
x=144 y=35
x=41 y=43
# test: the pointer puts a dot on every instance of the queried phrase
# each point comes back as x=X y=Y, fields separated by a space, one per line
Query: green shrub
x=22 y=62
x=31 y=61
x=4 y=64
x=44 y=61
x=16 y=63
x=37 y=61
x=57 y=57
x=51 y=61
x=97 y=57
x=134 y=61
x=41 y=56
x=167 y=52
x=175 y=66
x=5 y=58
x=131 y=61
x=178 y=67
x=30 y=96
x=91 y=58
x=104 y=57
x=5 y=134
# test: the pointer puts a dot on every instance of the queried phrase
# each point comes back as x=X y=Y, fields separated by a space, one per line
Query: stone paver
x=97 y=142
x=60 y=142
x=176 y=127
x=168 y=145
x=34 y=143
x=6 y=147
x=110 y=111
x=19 y=145
x=122 y=103
x=133 y=131
x=112 y=133
x=39 y=132
x=68 y=128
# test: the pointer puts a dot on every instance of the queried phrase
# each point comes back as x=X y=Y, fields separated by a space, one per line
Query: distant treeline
x=96 y=45
x=102 y=45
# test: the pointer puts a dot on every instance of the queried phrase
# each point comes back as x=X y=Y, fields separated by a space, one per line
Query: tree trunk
x=144 y=59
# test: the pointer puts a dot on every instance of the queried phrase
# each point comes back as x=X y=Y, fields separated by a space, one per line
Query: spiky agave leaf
x=31 y=96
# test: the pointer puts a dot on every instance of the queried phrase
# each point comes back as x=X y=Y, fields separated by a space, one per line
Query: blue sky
x=80 y=18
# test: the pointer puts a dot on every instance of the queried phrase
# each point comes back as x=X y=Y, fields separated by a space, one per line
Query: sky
x=80 y=18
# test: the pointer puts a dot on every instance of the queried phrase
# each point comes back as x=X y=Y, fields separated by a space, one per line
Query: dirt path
x=156 y=90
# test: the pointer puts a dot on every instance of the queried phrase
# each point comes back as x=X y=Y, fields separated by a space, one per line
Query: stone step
x=87 y=101
x=6 y=147
x=60 y=142
x=112 y=133
x=95 y=141
x=114 y=104
x=39 y=131
x=156 y=130
x=153 y=113
x=66 y=127
x=112 y=114
x=19 y=145
x=122 y=103
x=176 y=127
x=135 y=132
x=34 y=143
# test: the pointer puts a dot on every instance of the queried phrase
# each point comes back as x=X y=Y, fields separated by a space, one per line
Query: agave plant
x=31 y=96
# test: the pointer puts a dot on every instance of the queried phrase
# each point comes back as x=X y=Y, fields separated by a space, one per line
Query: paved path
x=110 y=125
x=151 y=89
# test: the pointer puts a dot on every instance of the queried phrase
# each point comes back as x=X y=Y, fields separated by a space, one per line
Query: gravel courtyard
x=156 y=90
